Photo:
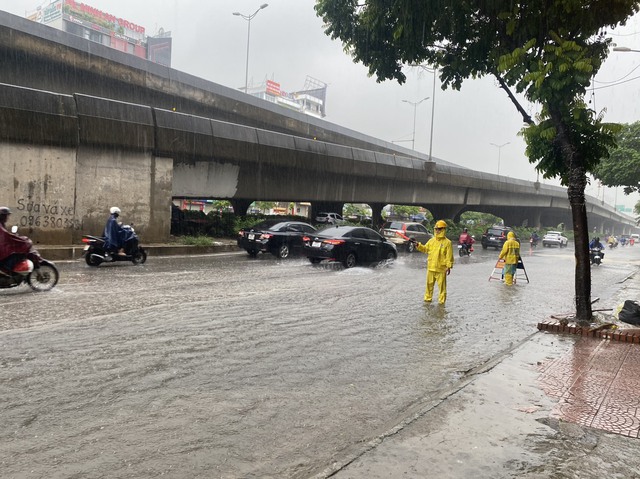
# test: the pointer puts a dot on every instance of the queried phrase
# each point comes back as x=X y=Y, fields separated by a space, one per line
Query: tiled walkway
x=597 y=384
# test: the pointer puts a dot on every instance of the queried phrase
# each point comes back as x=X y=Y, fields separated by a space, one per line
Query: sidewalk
x=557 y=405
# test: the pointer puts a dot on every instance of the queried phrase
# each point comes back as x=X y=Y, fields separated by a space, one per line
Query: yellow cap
x=441 y=224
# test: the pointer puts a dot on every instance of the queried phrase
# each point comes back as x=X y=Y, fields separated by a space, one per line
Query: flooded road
x=225 y=366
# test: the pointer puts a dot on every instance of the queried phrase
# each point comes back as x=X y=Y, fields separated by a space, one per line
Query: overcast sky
x=288 y=44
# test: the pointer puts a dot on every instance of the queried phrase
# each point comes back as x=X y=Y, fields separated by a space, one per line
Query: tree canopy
x=622 y=167
x=547 y=50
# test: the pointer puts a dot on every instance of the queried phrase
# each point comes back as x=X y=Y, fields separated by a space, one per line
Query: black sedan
x=350 y=245
x=280 y=238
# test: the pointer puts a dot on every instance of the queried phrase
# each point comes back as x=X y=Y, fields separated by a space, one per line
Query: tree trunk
x=575 y=192
x=577 y=176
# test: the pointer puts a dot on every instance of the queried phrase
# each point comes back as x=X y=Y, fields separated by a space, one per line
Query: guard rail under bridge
x=83 y=127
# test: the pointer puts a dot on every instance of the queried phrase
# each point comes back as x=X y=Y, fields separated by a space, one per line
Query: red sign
x=105 y=16
x=273 y=88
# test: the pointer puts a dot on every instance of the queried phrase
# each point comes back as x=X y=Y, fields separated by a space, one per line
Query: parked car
x=554 y=238
x=398 y=231
x=494 y=237
x=330 y=218
x=419 y=217
x=280 y=238
x=350 y=245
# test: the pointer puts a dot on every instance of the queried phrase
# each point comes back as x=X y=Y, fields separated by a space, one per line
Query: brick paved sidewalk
x=597 y=384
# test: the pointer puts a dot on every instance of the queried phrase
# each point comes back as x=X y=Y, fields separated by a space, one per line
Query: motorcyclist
x=595 y=243
x=534 y=239
x=114 y=234
x=13 y=248
x=466 y=240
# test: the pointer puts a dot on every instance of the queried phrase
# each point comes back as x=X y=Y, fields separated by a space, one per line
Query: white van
x=635 y=237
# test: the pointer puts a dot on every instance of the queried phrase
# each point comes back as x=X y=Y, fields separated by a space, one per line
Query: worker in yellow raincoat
x=439 y=261
x=510 y=254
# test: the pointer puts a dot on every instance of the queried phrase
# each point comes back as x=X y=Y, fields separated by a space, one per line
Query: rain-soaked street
x=226 y=366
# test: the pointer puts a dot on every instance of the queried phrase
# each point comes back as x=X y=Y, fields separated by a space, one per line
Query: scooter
x=464 y=249
x=95 y=254
x=595 y=256
x=37 y=272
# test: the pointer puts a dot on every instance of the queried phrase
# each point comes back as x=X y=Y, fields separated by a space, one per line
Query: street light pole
x=433 y=105
x=415 y=107
x=248 y=18
x=499 y=150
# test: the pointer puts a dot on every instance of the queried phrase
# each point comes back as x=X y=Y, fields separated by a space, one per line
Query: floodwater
x=226 y=366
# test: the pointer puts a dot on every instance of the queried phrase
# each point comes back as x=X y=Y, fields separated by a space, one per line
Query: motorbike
x=464 y=249
x=34 y=270
x=95 y=254
x=595 y=256
x=533 y=242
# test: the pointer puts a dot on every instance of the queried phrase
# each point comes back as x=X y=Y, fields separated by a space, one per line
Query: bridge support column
x=443 y=212
x=376 y=215
x=240 y=207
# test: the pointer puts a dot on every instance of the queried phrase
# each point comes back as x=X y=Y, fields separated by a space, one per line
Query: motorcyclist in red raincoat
x=13 y=248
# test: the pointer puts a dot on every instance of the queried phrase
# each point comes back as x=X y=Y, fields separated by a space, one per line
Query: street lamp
x=415 y=107
x=499 y=150
x=248 y=18
x=624 y=49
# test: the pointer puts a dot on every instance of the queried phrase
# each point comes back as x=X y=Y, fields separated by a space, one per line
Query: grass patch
x=195 y=240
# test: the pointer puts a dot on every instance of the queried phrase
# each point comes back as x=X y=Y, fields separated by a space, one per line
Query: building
x=311 y=100
x=87 y=22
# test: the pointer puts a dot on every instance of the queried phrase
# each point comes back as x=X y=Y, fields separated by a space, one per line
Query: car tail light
x=306 y=239
x=240 y=233
x=86 y=240
x=265 y=235
x=333 y=241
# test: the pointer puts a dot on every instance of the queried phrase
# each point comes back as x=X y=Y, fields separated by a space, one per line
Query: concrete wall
x=38 y=184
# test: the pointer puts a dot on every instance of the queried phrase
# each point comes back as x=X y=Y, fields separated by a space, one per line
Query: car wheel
x=411 y=247
x=391 y=256
x=283 y=251
x=350 y=261
x=484 y=246
x=252 y=252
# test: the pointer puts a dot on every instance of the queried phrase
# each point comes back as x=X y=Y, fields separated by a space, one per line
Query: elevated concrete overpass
x=83 y=127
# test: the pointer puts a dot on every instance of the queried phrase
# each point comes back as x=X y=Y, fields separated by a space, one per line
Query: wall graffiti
x=42 y=215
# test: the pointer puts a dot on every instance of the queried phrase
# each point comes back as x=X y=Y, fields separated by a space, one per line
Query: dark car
x=280 y=238
x=494 y=237
x=398 y=231
x=350 y=245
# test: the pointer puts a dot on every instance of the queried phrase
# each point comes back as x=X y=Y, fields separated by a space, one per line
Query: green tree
x=622 y=167
x=547 y=50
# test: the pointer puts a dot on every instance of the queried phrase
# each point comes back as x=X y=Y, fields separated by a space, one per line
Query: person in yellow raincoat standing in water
x=510 y=254
x=439 y=261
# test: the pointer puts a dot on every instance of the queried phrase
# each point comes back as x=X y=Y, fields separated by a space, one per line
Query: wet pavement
x=222 y=366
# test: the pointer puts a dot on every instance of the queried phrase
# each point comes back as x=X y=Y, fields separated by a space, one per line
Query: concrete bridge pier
x=376 y=214
x=240 y=207
x=442 y=212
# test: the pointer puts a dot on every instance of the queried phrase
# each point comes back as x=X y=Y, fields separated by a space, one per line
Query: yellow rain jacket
x=439 y=251
x=510 y=250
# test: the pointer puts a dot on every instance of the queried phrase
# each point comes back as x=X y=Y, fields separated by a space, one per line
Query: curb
x=73 y=252
x=631 y=335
